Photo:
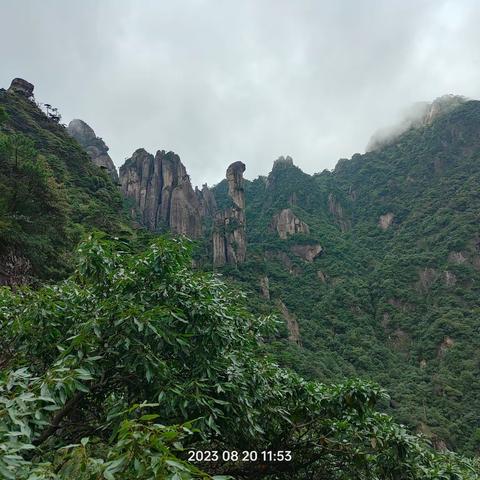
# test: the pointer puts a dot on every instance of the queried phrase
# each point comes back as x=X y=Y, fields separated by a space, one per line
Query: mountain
x=375 y=269
x=51 y=192
x=374 y=266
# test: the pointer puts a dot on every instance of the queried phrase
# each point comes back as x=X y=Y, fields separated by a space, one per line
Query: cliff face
x=93 y=145
x=162 y=193
x=287 y=223
x=229 y=235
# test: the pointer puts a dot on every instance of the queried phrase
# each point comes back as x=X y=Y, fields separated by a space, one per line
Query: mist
x=218 y=82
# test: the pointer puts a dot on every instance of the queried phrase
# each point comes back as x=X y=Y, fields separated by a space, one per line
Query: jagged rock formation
x=287 y=223
x=22 y=87
x=292 y=324
x=264 y=287
x=229 y=236
x=385 y=220
x=208 y=204
x=338 y=213
x=283 y=161
x=93 y=145
x=162 y=193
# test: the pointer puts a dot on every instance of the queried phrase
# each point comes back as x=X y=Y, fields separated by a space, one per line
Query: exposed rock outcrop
x=283 y=161
x=22 y=87
x=292 y=324
x=287 y=223
x=264 y=287
x=446 y=344
x=450 y=278
x=93 y=145
x=385 y=220
x=162 y=193
x=229 y=236
x=308 y=252
x=208 y=204
x=338 y=213
x=457 y=257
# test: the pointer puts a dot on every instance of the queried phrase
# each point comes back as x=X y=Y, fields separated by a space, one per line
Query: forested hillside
x=51 y=192
x=375 y=267
x=346 y=306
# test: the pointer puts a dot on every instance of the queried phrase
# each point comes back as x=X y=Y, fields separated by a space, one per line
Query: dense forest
x=393 y=295
x=346 y=344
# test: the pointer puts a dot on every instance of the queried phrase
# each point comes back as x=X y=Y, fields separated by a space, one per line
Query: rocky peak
x=236 y=183
x=162 y=193
x=93 y=145
x=229 y=235
x=208 y=204
x=22 y=87
x=283 y=162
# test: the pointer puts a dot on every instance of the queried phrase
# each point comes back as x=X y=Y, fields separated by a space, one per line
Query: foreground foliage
x=116 y=372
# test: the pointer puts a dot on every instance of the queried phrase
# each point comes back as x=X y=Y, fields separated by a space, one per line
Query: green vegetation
x=400 y=305
x=122 y=368
x=51 y=194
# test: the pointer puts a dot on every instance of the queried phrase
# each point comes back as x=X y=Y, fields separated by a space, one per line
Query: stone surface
x=292 y=324
x=229 y=229
x=446 y=344
x=450 y=279
x=264 y=287
x=457 y=257
x=22 y=87
x=385 y=220
x=95 y=147
x=308 y=252
x=287 y=223
x=338 y=213
x=161 y=191
x=208 y=204
x=283 y=161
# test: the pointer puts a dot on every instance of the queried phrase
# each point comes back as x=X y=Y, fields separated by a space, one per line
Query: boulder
x=22 y=87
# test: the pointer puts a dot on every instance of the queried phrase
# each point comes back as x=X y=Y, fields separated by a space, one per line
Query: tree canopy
x=120 y=370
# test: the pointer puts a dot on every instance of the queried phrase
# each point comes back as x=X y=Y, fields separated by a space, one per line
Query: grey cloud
x=221 y=81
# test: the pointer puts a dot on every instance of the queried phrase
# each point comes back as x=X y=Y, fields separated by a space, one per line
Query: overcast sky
x=227 y=80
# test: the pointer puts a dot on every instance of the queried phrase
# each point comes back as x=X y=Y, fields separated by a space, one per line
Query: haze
x=221 y=81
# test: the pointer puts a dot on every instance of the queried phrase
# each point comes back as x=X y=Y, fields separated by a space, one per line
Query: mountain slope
x=50 y=191
x=393 y=293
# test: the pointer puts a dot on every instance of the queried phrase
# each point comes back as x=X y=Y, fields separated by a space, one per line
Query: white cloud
x=220 y=81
